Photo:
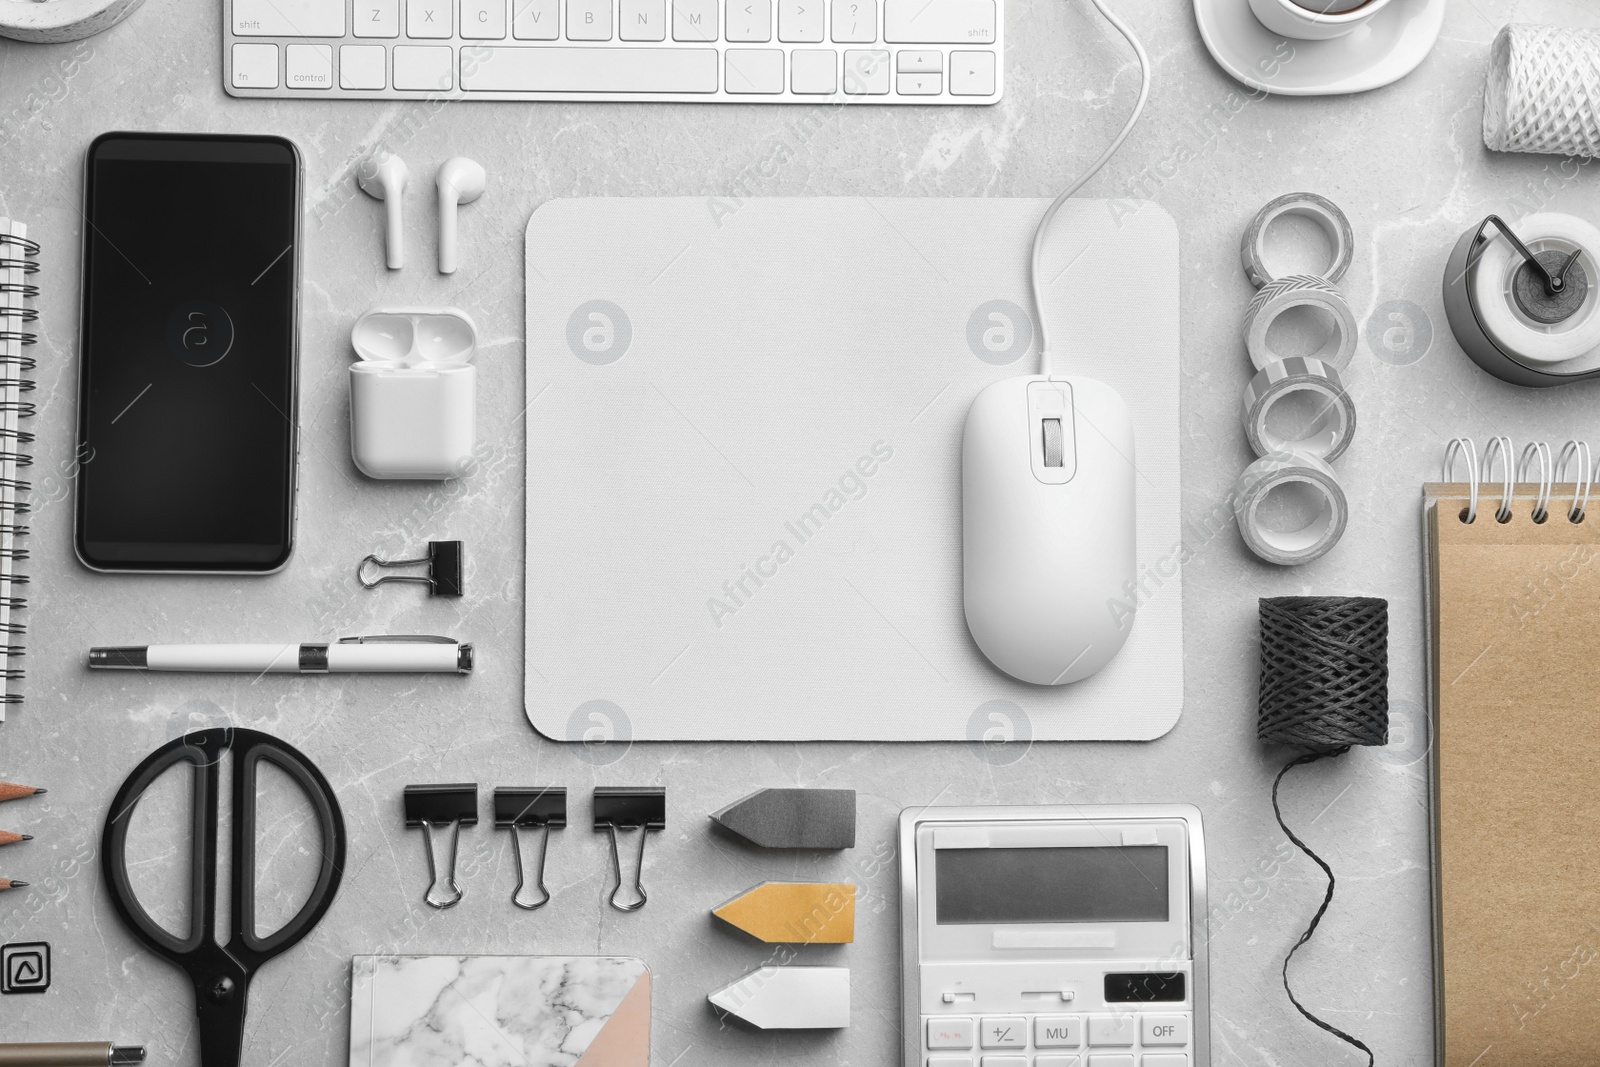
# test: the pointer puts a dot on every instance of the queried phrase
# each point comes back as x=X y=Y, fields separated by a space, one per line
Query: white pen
x=348 y=655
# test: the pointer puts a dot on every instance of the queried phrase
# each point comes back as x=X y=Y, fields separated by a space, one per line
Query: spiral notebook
x=1514 y=657
x=18 y=260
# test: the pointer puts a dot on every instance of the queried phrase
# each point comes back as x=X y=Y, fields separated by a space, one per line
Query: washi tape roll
x=1291 y=547
x=57 y=21
x=1324 y=212
x=1331 y=424
x=1300 y=290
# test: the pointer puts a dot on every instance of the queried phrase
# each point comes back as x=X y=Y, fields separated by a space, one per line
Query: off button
x=1164 y=1029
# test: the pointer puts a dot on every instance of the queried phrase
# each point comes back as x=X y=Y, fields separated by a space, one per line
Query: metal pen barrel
x=69 y=1054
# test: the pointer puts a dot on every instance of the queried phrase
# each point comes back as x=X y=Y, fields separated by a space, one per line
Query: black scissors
x=222 y=973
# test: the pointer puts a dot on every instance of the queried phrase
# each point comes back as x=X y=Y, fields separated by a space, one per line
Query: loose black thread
x=1324 y=687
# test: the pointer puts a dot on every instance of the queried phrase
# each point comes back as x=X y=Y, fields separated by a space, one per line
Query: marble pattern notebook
x=499 y=1011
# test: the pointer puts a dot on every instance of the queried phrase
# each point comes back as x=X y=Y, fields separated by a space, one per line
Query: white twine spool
x=1543 y=91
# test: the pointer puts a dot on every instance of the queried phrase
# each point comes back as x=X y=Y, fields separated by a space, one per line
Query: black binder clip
x=444 y=569
x=434 y=806
x=542 y=807
x=642 y=808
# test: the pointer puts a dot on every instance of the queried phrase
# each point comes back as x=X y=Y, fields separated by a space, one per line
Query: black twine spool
x=1324 y=672
x=1324 y=687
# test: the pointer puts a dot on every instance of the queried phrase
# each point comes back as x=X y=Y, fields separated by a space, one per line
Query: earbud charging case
x=413 y=393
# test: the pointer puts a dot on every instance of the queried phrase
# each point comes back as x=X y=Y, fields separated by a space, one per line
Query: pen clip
x=397 y=639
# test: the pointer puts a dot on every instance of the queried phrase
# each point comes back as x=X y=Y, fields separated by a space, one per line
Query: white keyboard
x=682 y=51
x=1140 y=1038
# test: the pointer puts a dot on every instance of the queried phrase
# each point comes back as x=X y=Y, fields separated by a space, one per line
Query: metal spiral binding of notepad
x=17 y=261
x=668 y=51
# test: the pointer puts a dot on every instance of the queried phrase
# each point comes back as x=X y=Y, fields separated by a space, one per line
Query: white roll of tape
x=1300 y=290
x=1290 y=547
x=1320 y=210
x=1329 y=426
x=55 y=21
x=1492 y=278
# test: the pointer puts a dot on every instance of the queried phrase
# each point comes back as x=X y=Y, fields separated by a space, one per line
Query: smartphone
x=188 y=353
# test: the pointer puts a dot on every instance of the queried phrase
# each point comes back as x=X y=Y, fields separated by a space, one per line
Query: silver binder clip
x=641 y=808
x=434 y=806
x=542 y=807
x=444 y=569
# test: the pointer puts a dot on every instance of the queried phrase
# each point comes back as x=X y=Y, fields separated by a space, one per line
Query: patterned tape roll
x=1288 y=548
x=1300 y=290
x=1330 y=429
x=1324 y=212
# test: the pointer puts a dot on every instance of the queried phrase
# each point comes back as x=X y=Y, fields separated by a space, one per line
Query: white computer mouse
x=1048 y=532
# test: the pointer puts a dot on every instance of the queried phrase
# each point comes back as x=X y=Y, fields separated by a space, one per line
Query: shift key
x=288 y=18
x=939 y=21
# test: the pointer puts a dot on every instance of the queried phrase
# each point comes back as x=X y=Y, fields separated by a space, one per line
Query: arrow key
x=971 y=73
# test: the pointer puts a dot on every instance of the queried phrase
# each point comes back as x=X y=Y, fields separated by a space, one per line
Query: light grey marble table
x=1406 y=162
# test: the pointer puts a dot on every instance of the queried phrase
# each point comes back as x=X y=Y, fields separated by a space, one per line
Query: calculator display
x=1052 y=885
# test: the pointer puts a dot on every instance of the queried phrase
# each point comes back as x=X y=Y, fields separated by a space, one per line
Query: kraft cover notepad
x=1514 y=611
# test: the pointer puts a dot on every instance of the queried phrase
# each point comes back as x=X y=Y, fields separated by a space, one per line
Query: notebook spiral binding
x=1573 y=466
x=18 y=260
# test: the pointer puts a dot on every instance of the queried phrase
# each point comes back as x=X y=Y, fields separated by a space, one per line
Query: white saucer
x=1384 y=50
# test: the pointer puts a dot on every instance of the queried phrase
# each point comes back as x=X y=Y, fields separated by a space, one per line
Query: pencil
x=8 y=883
x=13 y=791
x=9 y=838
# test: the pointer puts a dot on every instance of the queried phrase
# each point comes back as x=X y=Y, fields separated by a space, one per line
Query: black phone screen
x=187 y=398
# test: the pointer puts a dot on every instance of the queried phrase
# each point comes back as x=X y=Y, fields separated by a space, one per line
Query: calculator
x=1054 y=936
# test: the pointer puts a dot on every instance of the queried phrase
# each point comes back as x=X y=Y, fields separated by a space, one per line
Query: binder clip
x=542 y=807
x=641 y=808
x=444 y=569
x=433 y=806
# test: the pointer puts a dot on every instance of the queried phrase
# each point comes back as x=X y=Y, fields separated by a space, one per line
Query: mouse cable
x=1083 y=179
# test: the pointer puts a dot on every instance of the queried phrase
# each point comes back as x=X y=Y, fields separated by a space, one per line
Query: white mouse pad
x=744 y=462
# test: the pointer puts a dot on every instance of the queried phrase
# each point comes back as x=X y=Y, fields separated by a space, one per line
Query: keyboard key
x=919 y=62
x=255 y=66
x=1113 y=1060
x=749 y=21
x=1057 y=1031
x=918 y=84
x=815 y=71
x=1003 y=1031
x=1056 y=1061
x=855 y=21
x=800 y=21
x=429 y=18
x=377 y=18
x=424 y=69
x=308 y=66
x=591 y=70
x=949 y=1033
x=644 y=20
x=483 y=20
x=938 y=21
x=588 y=20
x=971 y=73
x=866 y=72
x=361 y=66
x=1112 y=1029
x=754 y=70
x=1164 y=1029
x=1004 y=1061
x=288 y=18
x=1165 y=1059
x=949 y=1059
x=694 y=20
x=535 y=20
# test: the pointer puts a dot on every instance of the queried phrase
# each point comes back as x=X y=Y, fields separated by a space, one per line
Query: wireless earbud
x=461 y=181
x=384 y=176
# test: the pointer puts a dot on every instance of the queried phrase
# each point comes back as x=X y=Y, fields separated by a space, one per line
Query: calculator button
x=1005 y=1061
x=971 y=73
x=1003 y=1031
x=1111 y=1030
x=1165 y=1059
x=1058 y=1031
x=950 y=1033
x=949 y=1059
x=1111 y=1060
x=1163 y=1030
x=1056 y=1061
x=255 y=66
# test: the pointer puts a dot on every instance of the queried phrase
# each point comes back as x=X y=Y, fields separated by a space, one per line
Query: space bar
x=588 y=70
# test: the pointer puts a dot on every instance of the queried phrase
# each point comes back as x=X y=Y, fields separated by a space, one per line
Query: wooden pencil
x=11 y=883
x=9 y=838
x=13 y=791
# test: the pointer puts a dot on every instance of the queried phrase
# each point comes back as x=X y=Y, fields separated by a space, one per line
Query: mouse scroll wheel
x=1052 y=442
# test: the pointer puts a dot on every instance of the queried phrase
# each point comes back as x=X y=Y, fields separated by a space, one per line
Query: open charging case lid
x=411 y=340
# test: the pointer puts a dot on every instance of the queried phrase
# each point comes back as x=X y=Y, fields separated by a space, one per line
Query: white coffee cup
x=1314 y=20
